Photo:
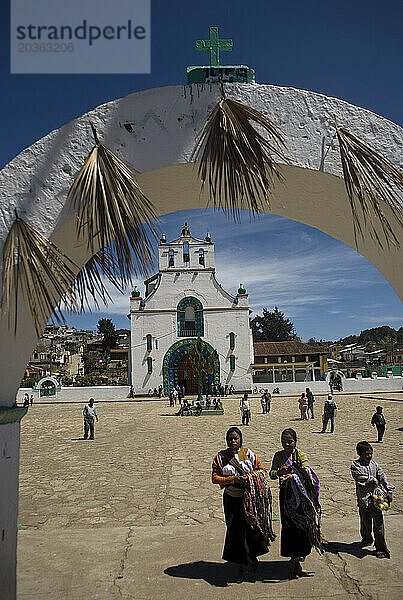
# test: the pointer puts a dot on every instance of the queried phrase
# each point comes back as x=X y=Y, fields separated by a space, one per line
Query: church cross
x=214 y=45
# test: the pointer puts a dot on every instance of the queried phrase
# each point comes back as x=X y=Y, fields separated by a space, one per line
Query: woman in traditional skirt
x=299 y=502
x=232 y=470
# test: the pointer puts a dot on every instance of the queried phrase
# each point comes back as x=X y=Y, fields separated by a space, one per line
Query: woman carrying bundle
x=247 y=502
x=299 y=502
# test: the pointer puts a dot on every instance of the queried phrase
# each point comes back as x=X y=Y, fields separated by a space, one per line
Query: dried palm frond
x=370 y=179
x=236 y=161
x=35 y=267
x=113 y=211
x=89 y=281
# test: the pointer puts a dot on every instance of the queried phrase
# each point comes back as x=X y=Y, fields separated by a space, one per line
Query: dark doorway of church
x=188 y=376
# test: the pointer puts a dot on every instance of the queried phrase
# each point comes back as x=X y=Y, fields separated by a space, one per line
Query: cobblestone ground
x=148 y=467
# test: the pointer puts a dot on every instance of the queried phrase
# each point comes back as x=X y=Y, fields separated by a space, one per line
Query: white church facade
x=182 y=302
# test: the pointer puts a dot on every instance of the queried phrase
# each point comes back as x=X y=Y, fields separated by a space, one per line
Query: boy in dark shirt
x=378 y=421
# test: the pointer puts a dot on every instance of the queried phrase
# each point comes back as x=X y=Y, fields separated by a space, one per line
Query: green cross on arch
x=214 y=45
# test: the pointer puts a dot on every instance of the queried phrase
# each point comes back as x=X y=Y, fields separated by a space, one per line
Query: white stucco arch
x=155 y=131
x=46 y=379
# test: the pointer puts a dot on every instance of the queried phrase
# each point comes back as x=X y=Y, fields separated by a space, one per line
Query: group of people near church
x=247 y=502
x=222 y=390
x=176 y=394
x=156 y=393
x=306 y=408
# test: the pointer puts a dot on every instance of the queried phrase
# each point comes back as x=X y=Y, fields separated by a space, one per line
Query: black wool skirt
x=294 y=542
x=242 y=542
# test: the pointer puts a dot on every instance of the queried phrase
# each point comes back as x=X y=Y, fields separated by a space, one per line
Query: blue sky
x=351 y=50
x=315 y=280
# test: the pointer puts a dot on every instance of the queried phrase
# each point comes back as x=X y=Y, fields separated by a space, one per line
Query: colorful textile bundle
x=258 y=504
x=301 y=508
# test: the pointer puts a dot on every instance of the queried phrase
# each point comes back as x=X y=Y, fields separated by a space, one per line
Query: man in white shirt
x=90 y=414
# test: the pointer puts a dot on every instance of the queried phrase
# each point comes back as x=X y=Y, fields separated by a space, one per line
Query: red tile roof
x=279 y=348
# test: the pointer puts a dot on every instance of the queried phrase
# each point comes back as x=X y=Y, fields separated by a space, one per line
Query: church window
x=186 y=256
x=232 y=362
x=156 y=344
x=232 y=340
x=171 y=259
x=201 y=257
x=149 y=365
x=149 y=342
x=190 y=317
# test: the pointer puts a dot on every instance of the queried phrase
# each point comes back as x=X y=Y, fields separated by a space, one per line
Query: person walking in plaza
x=90 y=414
x=329 y=413
x=378 y=421
x=263 y=403
x=300 y=510
x=231 y=469
x=311 y=400
x=245 y=409
x=303 y=406
x=368 y=475
x=267 y=400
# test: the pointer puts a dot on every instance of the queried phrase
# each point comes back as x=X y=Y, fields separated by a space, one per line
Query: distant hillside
x=377 y=335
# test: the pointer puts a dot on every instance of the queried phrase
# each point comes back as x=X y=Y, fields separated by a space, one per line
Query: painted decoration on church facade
x=171 y=366
x=190 y=317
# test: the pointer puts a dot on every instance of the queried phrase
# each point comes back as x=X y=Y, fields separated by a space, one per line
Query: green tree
x=272 y=326
x=92 y=361
x=388 y=343
x=370 y=346
x=201 y=361
x=109 y=335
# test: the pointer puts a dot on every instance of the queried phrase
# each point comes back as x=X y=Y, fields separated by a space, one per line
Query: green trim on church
x=181 y=323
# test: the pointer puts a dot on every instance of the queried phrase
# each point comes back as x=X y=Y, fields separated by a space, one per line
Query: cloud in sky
x=321 y=284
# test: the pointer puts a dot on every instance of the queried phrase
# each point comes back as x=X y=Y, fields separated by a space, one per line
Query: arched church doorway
x=177 y=369
x=187 y=376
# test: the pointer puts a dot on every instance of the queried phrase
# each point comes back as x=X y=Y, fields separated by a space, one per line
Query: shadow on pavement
x=221 y=575
x=354 y=548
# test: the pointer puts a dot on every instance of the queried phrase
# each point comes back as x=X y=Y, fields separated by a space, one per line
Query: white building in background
x=182 y=301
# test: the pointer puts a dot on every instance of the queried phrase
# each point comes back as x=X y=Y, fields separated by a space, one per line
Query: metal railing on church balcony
x=188 y=333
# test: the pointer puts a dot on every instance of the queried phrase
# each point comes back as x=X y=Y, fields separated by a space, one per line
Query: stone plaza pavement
x=133 y=514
